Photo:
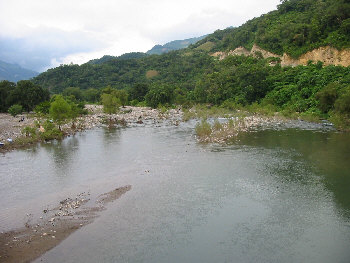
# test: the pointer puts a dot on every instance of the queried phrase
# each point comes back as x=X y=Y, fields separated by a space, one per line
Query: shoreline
x=44 y=233
x=11 y=128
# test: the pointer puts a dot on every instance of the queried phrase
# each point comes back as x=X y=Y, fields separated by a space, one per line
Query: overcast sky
x=39 y=34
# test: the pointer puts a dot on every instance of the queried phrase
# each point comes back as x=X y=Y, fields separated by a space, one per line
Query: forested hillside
x=297 y=26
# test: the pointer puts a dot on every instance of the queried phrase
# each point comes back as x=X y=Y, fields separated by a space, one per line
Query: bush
x=159 y=94
x=203 y=129
x=326 y=97
x=342 y=104
x=29 y=131
x=43 y=107
x=15 y=110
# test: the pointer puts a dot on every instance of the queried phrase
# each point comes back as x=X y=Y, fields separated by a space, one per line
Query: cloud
x=38 y=34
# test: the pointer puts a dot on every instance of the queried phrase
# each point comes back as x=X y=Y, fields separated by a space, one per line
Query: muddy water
x=271 y=196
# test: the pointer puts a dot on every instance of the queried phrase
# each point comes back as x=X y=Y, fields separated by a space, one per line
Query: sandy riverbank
x=42 y=234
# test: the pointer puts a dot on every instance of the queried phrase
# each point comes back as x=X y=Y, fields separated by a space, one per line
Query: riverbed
x=273 y=195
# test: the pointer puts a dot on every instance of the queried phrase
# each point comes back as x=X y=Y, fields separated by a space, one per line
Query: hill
x=105 y=58
x=173 y=45
x=14 y=73
x=296 y=27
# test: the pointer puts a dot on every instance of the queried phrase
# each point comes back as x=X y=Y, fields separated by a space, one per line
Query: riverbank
x=12 y=135
x=42 y=234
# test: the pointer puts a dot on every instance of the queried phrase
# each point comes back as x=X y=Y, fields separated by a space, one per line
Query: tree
x=30 y=94
x=138 y=91
x=5 y=88
x=110 y=103
x=122 y=95
x=15 y=110
x=76 y=92
x=60 y=110
x=91 y=95
x=159 y=94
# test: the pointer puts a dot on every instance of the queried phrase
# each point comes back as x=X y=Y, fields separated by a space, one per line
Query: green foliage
x=173 y=67
x=51 y=132
x=122 y=95
x=73 y=91
x=91 y=95
x=29 y=131
x=295 y=28
x=139 y=91
x=342 y=104
x=60 y=110
x=110 y=103
x=159 y=94
x=24 y=93
x=203 y=129
x=43 y=107
x=15 y=109
x=327 y=96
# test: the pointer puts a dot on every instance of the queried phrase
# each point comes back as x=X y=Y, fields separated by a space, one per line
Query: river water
x=269 y=196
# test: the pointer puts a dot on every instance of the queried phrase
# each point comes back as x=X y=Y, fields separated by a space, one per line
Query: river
x=269 y=196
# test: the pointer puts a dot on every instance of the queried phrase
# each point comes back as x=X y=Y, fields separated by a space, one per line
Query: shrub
x=203 y=129
x=326 y=97
x=15 y=110
x=43 y=107
x=29 y=131
x=342 y=104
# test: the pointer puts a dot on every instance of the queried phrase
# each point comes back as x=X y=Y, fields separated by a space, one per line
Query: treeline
x=25 y=94
x=179 y=67
x=297 y=26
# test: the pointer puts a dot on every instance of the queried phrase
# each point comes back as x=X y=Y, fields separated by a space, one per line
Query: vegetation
x=15 y=109
x=60 y=110
x=24 y=93
x=297 y=26
x=110 y=103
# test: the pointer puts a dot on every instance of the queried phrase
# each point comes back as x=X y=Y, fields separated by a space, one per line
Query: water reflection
x=63 y=153
x=325 y=154
x=111 y=135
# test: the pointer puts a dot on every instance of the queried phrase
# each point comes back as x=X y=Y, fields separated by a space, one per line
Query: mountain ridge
x=173 y=45
x=14 y=72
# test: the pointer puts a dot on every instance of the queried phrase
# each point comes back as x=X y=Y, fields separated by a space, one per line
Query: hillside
x=296 y=27
x=173 y=45
x=105 y=58
x=14 y=73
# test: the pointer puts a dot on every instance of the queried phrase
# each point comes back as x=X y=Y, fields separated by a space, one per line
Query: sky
x=41 y=34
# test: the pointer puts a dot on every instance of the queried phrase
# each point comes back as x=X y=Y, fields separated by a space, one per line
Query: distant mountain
x=173 y=45
x=125 y=56
x=14 y=72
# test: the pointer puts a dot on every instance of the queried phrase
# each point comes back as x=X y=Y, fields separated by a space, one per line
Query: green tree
x=73 y=91
x=327 y=96
x=139 y=91
x=15 y=110
x=30 y=94
x=91 y=95
x=159 y=94
x=122 y=95
x=60 y=110
x=110 y=103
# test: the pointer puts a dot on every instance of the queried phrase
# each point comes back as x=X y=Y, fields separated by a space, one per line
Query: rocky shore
x=11 y=127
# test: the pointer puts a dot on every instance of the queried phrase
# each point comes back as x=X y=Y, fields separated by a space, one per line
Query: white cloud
x=79 y=29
